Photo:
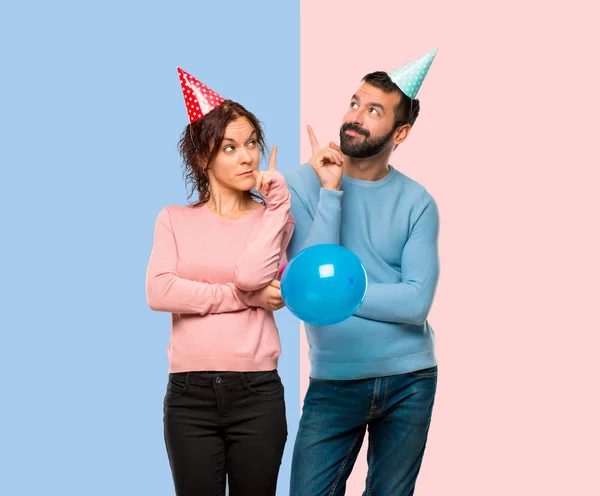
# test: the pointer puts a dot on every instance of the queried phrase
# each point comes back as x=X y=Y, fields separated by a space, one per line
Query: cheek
x=377 y=127
x=223 y=169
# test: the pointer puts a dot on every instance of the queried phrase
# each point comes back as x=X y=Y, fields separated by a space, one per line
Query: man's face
x=368 y=126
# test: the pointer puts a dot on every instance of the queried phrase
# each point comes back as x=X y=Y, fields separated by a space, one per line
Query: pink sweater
x=211 y=273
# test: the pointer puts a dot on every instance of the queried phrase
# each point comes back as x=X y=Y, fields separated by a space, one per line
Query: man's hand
x=326 y=162
x=274 y=300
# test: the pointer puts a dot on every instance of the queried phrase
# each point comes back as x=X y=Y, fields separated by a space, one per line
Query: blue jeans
x=336 y=414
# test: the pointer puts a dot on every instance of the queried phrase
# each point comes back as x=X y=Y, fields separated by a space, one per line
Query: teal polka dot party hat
x=409 y=77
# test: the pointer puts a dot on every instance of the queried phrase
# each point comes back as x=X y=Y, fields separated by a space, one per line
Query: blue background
x=91 y=112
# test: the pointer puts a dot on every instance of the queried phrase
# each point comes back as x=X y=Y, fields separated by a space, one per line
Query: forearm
x=409 y=301
x=398 y=303
x=259 y=263
x=167 y=292
x=328 y=219
x=324 y=228
x=260 y=260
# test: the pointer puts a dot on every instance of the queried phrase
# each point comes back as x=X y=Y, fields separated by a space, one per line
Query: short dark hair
x=407 y=111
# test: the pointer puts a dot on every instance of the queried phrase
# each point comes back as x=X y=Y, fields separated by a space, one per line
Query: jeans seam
x=223 y=480
x=341 y=470
x=220 y=406
x=387 y=381
x=374 y=391
x=377 y=412
x=370 y=471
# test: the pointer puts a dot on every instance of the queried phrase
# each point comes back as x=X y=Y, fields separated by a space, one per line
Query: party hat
x=199 y=98
x=409 y=77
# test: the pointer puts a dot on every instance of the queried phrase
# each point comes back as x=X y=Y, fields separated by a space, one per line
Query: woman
x=214 y=265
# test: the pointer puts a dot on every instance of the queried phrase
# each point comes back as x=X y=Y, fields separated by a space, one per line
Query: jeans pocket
x=177 y=385
x=264 y=383
x=425 y=373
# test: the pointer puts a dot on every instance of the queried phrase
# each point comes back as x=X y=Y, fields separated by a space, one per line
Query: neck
x=224 y=201
x=370 y=168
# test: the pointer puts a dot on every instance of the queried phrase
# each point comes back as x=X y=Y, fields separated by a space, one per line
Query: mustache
x=351 y=126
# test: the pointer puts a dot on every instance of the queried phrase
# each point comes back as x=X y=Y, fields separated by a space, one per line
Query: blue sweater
x=392 y=225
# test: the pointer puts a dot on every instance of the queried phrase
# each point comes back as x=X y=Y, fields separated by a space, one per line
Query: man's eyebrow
x=371 y=104
x=378 y=105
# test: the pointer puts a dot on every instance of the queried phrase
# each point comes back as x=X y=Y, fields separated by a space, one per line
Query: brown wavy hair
x=201 y=141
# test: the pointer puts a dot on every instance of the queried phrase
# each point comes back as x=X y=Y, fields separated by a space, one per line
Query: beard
x=356 y=147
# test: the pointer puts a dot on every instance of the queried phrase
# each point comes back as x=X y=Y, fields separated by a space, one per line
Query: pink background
x=507 y=143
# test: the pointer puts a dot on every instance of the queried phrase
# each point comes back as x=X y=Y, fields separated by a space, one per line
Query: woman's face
x=238 y=156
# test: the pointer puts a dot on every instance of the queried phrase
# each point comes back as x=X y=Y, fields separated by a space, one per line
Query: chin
x=245 y=183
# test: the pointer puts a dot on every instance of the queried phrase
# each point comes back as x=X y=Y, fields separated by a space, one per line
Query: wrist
x=256 y=298
x=278 y=192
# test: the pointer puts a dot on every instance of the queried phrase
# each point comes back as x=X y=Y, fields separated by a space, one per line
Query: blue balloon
x=324 y=284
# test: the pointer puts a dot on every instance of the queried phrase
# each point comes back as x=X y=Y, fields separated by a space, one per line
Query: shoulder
x=172 y=213
x=420 y=204
x=302 y=177
x=415 y=191
x=304 y=186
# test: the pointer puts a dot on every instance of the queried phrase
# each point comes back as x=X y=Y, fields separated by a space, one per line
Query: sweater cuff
x=278 y=192
x=331 y=196
x=257 y=298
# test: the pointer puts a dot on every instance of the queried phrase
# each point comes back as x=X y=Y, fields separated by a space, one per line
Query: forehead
x=239 y=128
x=370 y=94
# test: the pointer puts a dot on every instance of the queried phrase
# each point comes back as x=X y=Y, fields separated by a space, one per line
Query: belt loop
x=187 y=379
x=242 y=379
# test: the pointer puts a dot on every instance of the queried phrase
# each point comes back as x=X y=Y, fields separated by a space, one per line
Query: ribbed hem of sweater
x=351 y=370
x=197 y=364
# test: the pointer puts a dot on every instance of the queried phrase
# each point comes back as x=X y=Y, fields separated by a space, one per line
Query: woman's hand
x=274 y=300
x=265 y=178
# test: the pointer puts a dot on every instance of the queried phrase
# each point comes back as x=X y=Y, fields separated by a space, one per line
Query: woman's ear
x=201 y=160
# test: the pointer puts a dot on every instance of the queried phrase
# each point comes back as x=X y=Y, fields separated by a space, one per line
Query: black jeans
x=220 y=424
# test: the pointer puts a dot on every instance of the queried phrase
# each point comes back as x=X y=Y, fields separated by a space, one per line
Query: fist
x=274 y=299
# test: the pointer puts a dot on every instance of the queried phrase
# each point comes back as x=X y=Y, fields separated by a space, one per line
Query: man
x=376 y=370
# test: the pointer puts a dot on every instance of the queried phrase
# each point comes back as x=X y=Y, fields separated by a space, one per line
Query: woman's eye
x=228 y=148
x=252 y=143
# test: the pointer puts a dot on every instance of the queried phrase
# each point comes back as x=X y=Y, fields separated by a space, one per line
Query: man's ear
x=401 y=134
